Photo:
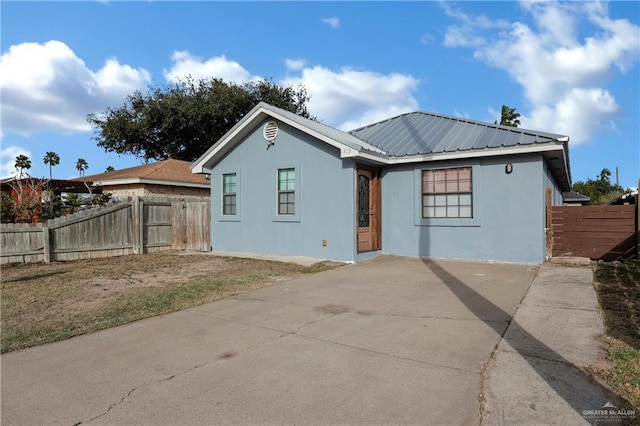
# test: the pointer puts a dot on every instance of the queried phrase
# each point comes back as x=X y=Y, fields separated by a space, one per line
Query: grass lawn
x=44 y=303
x=618 y=288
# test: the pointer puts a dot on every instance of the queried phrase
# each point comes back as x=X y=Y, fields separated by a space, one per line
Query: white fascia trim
x=371 y=156
x=129 y=181
x=345 y=150
x=199 y=167
x=488 y=152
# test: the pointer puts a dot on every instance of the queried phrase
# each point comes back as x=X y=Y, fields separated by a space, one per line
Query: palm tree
x=22 y=162
x=52 y=159
x=509 y=117
x=81 y=166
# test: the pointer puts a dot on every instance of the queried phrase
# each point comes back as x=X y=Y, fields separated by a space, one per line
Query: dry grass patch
x=43 y=303
x=618 y=288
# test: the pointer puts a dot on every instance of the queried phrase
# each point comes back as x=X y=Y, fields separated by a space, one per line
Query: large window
x=229 y=194
x=287 y=191
x=447 y=193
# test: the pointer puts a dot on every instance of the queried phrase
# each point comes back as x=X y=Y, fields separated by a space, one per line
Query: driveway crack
x=128 y=395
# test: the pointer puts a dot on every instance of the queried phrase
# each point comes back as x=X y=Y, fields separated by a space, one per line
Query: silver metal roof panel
x=428 y=133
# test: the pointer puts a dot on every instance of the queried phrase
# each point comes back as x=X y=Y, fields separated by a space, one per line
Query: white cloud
x=294 y=64
x=333 y=22
x=579 y=114
x=8 y=160
x=351 y=98
x=185 y=64
x=46 y=87
x=427 y=39
x=457 y=36
x=562 y=76
x=461 y=114
x=466 y=34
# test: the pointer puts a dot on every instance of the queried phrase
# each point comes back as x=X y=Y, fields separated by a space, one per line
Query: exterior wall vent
x=270 y=131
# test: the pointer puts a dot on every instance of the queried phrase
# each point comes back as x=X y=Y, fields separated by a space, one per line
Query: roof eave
x=484 y=152
x=131 y=181
x=205 y=163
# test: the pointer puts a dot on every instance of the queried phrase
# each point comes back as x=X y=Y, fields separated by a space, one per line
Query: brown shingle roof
x=168 y=170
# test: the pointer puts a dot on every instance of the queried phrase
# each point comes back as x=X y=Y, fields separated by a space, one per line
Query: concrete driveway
x=391 y=340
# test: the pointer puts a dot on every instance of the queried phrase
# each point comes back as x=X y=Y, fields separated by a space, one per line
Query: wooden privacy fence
x=597 y=232
x=139 y=226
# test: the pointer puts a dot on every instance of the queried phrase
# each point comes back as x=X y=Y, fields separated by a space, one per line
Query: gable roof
x=350 y=146
x=408 y=138
x=166 y=172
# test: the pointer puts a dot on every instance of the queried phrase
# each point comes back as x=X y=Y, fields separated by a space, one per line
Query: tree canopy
x=182 y=120
x=22 y=163
x=509 y=117
x=52 y=159
x=81 y=166
x=600 y=190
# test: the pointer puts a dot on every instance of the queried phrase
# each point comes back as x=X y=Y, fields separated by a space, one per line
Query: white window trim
x=220 y=211
x=298 y=189
x=476 y=195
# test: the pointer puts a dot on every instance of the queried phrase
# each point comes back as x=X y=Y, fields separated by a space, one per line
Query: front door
x=368 y=218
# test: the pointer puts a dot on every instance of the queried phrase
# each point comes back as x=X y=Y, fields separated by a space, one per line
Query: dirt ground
x=48 y=302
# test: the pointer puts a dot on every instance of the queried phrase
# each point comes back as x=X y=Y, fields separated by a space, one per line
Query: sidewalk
x=534 y=376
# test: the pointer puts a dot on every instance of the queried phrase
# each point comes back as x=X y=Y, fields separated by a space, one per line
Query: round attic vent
x=270 y=131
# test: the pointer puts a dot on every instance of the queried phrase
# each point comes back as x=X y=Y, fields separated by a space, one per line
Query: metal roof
x=419 y=133
x=411 y=137
x=576 y=197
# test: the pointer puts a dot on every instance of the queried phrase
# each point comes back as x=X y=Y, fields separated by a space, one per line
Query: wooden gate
x=597 y=232
x=191 y=225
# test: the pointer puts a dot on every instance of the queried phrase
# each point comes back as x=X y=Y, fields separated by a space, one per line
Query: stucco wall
x=508 y=223
x=549 y=182
x=134 y=190
x=325 y=211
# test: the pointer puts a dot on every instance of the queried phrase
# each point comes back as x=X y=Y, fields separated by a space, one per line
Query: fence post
x=47 y=247
x=135 y=225
x=141 y=225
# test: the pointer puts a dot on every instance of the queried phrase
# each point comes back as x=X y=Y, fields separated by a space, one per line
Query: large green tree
x=182 y=120
x=600 y=190
x=509 y=117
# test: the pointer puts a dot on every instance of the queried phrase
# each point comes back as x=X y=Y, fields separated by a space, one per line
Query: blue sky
x=568 y=68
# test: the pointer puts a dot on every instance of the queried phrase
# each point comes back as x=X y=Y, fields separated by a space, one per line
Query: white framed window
x=287 y=195
x=447 y=193
x=229 y=194
x=287 y=191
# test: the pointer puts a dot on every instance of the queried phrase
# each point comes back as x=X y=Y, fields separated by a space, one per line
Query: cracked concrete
x=384 y=341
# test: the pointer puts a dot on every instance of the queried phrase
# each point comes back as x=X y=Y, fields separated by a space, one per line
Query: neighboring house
x=628 y=198
x=27 y=196
x=572 y=198
x=167 y=178
x=418 y=184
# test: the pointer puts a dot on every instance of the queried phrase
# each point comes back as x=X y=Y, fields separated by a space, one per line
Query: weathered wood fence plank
x=139 y=226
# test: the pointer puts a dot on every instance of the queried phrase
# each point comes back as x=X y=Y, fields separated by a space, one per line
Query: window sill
x=282 y=218
x=229 y=219
x=473 y=222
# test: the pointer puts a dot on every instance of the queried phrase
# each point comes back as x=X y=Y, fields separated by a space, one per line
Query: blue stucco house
x=419 y=184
